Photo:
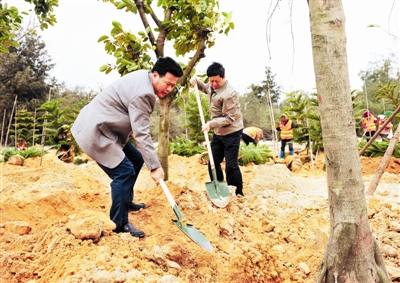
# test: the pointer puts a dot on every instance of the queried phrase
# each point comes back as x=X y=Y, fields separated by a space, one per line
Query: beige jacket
x=224 y=107
x=120 y=111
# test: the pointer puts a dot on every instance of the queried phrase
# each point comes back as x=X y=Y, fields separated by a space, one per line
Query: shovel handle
x=171 y=200
x=167 y=193
x=210 y=156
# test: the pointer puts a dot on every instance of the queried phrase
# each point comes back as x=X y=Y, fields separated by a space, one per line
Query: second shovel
x=217 y=191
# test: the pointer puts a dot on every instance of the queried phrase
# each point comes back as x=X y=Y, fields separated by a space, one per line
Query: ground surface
x=276 y=233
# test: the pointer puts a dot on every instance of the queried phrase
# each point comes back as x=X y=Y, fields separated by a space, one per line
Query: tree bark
x=163 y=133
x=351 y=252
x=384 y=163
x=166 y=103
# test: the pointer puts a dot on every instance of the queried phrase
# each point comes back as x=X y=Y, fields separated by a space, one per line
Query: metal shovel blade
x=188 y=229
x=218 y=192
x=194 y=235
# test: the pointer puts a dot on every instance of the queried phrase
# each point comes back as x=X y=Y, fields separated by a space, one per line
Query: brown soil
x=276 y=233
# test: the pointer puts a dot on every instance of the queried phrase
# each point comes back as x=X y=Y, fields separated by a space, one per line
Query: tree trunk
x=384 y=163
x=352 y=254
x=163 y=133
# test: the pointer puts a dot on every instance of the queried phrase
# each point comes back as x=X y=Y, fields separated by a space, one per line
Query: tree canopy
x=191 y=26
x=11 y=19
x=24 y=72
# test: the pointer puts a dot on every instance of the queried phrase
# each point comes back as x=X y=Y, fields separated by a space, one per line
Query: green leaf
x=125 y=62
x=4 y=49
x=117 y=25
x=207 y=20
x=132 y=37
x=103 y=68
x=121 y=5
x=102 y=38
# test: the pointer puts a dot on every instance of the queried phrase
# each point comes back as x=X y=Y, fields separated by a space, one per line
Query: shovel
x=217 y=191
x=188 y=229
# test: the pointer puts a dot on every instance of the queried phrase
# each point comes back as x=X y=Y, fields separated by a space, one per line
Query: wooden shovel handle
x=210 y=156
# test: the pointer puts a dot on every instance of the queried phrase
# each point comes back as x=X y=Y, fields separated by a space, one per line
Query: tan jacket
x=224 y=107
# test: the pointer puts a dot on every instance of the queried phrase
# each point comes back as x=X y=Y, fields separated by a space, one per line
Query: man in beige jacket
x=227 y=123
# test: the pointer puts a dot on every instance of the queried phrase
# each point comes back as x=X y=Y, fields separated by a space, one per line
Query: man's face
x=216 y=81
x=163 y=85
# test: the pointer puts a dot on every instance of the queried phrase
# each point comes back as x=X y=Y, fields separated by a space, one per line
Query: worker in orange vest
x=369 y=124
x=286 y=128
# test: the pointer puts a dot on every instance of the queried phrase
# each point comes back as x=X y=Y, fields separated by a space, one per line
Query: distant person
x=369 y=124
x=386 y=131
x=105 y=126
x=21 y=145
x=226 y=121
x=286 y=128
x=63 y=138
x=252 y=135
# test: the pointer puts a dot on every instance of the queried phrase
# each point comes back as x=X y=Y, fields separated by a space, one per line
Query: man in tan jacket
x=105 y=126
x=227 y=123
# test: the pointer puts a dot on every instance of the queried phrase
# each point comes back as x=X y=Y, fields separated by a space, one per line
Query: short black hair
x=165 y=65
x=216 y=69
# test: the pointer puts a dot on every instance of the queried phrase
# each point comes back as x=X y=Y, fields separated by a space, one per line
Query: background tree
x=302 y=109
x=269 y=84
x=193 y=121
x=380 y=72
x=255 y=104
x=353 y=253
x=25 y=126
x=11 y=20
x=53 y=117
x=24 y=72
x=190 y=25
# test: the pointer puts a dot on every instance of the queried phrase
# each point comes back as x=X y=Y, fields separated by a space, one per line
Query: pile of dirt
x=278 y=232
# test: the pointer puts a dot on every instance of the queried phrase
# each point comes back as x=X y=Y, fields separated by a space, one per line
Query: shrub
x=184 y=147
x=29 y=152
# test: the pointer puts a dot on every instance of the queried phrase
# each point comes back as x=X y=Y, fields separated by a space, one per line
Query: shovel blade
x=194 y=235
x=218 y=192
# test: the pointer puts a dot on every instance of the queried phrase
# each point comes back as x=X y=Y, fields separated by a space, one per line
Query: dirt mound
x=276 y=233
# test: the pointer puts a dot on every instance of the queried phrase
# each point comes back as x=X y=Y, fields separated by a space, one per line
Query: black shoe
x=128 y=228
x=136 y=206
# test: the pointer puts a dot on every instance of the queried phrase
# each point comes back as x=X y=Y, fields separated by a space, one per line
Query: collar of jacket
x=222 y=88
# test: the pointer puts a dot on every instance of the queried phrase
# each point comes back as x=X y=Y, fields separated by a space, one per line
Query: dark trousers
x=123 y=177
x=227 y=147
x=288 y=142
x=247 y=139
x=369 y=135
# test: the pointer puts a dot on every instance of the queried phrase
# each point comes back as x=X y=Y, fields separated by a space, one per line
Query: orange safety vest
x=368 y=124
x=286 y=130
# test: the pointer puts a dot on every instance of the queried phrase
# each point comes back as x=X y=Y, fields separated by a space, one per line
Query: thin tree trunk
x=384 y=163
x=9 y=124
x=15 y=127
x=163 y=134
x=351 y=252
x=2 y=128
x=34 y=125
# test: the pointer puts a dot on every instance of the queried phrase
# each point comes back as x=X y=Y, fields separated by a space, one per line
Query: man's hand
x=206 y=127
x=193 y=80
x=157 y=174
